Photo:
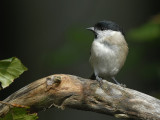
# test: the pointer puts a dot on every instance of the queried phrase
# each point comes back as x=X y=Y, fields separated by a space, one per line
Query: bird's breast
x=102 y=51
x=105 y=59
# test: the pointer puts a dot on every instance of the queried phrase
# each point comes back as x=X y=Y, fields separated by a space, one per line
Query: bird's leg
x=99 y=80
x=113 y=78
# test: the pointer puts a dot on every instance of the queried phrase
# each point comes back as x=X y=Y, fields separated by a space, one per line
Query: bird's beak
x=90 y=28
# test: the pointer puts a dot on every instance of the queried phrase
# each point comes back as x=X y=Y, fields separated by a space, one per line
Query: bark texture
x=62 y=91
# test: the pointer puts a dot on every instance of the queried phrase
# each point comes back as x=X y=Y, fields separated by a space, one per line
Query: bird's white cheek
x=105 y=34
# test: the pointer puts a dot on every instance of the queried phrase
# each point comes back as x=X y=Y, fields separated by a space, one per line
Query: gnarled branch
x=62 y=91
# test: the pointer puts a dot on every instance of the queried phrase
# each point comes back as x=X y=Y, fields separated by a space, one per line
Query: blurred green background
x=49 y=37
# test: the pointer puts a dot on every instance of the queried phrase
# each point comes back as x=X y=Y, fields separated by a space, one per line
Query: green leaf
x=19 y=114
x=10 y=69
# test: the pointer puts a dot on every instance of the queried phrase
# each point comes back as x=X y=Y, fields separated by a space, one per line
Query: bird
x=109 y=50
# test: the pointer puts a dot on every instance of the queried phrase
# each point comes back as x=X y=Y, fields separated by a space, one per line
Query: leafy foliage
x=19 y=114
x=77 y=43
x=148 y=32
x=144 y=53
x=10 y=69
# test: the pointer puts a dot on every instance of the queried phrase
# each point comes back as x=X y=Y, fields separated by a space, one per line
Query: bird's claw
x=99 y=81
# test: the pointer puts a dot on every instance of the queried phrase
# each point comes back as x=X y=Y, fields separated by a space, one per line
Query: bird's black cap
x=108 y=25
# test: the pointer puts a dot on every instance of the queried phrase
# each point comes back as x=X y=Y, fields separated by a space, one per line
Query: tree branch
x=62 y=91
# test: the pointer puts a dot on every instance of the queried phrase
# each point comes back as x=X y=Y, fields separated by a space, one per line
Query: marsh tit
x=108 y=51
